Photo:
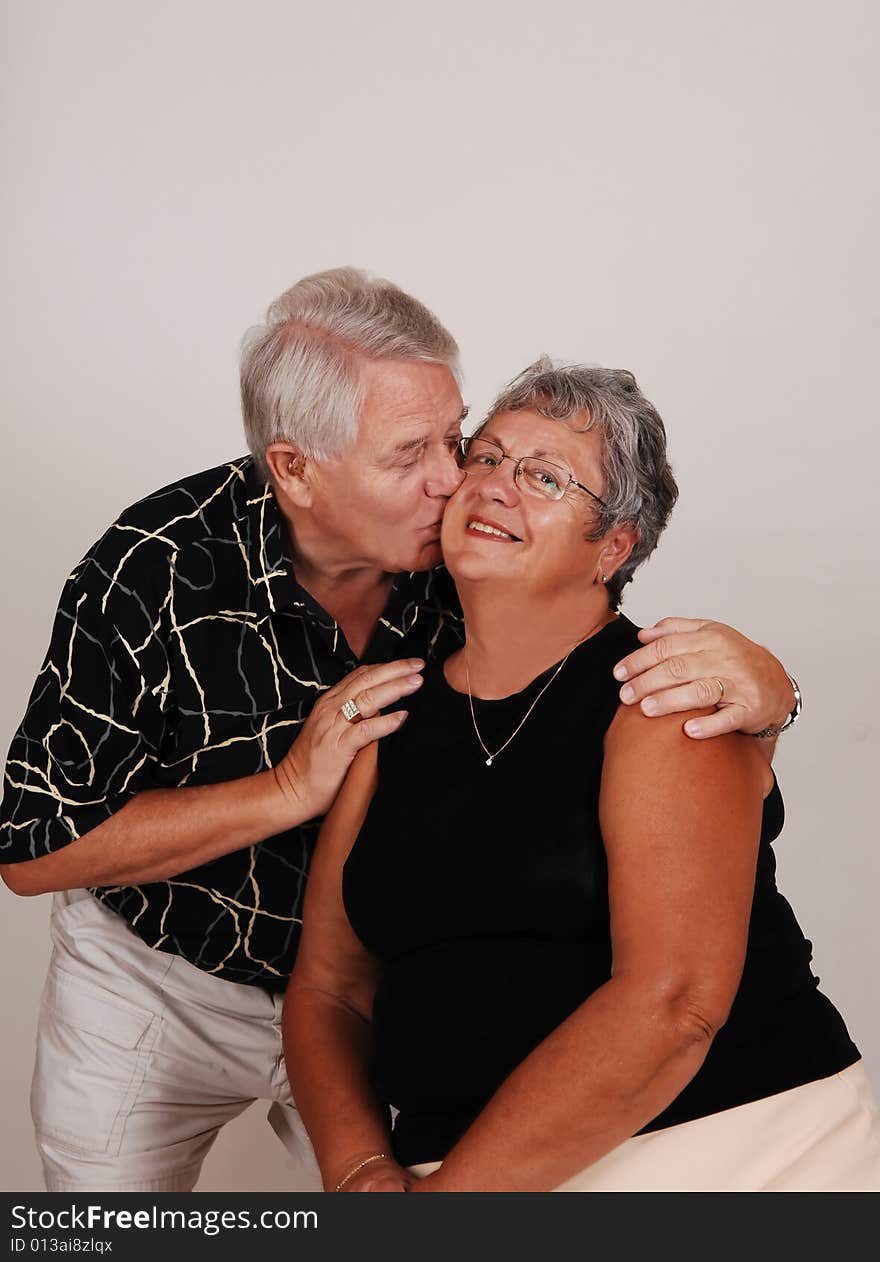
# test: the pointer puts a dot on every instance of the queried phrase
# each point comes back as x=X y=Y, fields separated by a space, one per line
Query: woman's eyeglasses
x=479 y=456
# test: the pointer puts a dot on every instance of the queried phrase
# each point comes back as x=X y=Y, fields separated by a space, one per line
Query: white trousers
x=821 y=1137
x=142 y=1057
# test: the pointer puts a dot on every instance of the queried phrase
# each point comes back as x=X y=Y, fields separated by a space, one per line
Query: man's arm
x=83 y=805
x=689 y=663
x=159 y=833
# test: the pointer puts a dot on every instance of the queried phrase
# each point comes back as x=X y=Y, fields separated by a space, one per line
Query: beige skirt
x=822 y=1137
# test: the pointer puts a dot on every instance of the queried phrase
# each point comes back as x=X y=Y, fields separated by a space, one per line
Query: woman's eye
x=548 y=480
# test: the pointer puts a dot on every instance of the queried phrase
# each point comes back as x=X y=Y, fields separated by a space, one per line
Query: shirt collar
x=270 y=568
x=276 y=589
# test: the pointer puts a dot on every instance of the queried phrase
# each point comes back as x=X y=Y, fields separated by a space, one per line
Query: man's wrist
x=788 y=719
x=782 y=717
x=286 y=804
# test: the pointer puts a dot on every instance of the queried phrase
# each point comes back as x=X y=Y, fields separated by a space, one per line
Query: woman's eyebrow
x=490 y=438
x=539 y=454
x=550 y=455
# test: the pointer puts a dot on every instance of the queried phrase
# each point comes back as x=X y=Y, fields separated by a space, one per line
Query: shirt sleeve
x=95 y=722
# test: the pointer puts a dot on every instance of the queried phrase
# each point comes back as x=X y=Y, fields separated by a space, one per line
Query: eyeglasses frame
x=464 y=443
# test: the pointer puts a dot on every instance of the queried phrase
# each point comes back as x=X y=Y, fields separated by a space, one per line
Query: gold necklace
x=490 y=756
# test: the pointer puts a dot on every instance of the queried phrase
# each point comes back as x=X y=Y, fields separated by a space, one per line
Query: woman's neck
x=511 y=641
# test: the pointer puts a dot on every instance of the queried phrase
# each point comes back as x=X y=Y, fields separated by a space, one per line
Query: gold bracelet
x=377 y=1156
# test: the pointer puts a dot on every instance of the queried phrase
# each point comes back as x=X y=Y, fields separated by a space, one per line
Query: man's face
x=382 y=502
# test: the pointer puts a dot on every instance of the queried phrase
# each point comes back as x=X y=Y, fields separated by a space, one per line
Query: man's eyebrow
x=409 y=444
x=412 y=444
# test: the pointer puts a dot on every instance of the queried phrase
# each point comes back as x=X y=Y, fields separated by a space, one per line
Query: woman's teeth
x=488 y=530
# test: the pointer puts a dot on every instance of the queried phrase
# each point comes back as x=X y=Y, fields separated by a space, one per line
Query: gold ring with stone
x=350 y=712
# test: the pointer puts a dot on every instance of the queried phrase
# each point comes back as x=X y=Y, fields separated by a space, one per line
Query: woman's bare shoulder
x=636 y=743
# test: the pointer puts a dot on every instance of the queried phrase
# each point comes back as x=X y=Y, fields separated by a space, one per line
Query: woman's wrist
x=427 y=1183
x=357 y=1165
x=375 y=1172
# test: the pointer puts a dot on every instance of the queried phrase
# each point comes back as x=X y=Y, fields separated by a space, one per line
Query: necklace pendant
x=501 y=748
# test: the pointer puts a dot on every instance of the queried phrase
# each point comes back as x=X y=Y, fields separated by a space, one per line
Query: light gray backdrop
x=685 y=189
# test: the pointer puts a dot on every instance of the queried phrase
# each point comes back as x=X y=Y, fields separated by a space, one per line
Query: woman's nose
x=500 y=484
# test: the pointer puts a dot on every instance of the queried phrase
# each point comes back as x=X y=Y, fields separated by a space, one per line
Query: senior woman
x=541 y=927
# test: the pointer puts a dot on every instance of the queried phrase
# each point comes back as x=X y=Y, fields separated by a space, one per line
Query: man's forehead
x=407 y=385
x=406 y=402
x=402 y=433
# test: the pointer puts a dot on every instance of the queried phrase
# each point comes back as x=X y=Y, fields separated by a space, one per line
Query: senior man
x=198 y=709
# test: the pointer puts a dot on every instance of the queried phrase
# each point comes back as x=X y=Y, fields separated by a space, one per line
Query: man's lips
x=488 y=529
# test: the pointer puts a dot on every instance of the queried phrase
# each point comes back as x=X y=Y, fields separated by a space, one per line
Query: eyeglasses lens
x=480 y=456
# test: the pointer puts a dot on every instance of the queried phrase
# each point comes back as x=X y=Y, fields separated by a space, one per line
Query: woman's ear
x=287 y=467
x=616 y=548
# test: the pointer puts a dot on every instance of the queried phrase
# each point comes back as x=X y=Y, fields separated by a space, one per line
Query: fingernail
x=401 y=716
x=649 y=706
x=627 y=695
x=692 y=727
x=416 y=663
x=620 y=672
x=414 y=681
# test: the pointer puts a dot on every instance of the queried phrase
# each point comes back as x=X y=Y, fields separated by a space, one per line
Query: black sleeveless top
x=483 y=893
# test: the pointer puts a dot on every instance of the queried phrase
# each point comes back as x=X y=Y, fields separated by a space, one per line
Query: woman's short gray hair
x=638 y=481
x=300 y=370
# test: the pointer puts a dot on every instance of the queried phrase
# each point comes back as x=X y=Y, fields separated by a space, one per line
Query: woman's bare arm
x=681 y=822
x=327 y=1008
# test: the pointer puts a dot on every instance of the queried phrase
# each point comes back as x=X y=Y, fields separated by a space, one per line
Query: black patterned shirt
x=184 y=652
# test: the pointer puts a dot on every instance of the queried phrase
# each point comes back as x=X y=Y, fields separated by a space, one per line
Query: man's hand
x=314 y=767
x=687 y=664
x=162 y=832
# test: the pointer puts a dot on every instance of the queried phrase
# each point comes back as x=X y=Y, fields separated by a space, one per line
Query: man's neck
x=353 y=592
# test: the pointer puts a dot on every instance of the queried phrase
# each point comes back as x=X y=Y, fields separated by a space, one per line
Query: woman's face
x=542 y=544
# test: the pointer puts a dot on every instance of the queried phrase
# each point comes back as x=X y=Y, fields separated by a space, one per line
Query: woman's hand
x=380 y=1176
x=427 y=1184
x=688 y=663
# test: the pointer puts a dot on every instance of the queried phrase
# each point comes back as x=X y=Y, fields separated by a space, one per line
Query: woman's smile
x=488 y=529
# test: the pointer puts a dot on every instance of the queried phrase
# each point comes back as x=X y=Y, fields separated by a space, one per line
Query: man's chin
x=424 y=558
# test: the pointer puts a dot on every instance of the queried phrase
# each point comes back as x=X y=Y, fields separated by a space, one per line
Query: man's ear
x=616 y=548
x=288 y=466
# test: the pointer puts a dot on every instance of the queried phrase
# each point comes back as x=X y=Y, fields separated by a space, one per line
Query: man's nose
x=446 y=476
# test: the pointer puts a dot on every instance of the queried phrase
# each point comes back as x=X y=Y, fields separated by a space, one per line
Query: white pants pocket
x=93 y=1049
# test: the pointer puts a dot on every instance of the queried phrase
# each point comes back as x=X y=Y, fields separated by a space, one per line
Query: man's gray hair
x=300 y=371
x=639 y=486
